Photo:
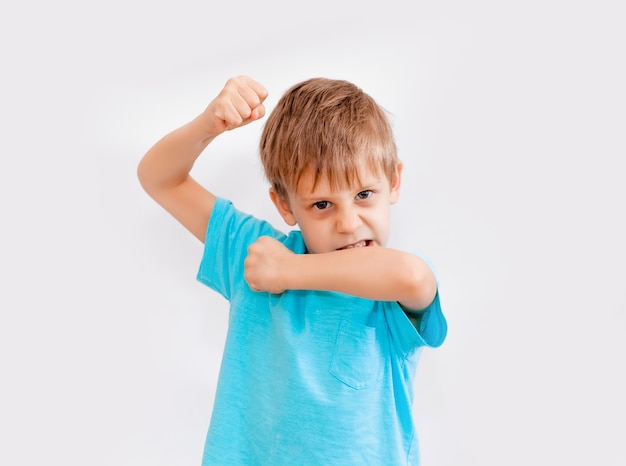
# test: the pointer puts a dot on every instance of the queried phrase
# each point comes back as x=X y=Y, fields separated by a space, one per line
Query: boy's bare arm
x=372 y=272
x=164 y=171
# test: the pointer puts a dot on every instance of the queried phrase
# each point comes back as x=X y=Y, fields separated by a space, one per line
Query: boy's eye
x=321 y=205
x=364 y=194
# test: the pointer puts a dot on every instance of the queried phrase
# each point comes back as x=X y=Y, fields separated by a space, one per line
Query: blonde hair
x=330 y=127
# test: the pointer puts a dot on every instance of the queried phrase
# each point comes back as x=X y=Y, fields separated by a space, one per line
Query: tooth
x=360 y=244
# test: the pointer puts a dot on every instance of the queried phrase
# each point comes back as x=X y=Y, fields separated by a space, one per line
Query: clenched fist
x=239 y=103
x=267 y=265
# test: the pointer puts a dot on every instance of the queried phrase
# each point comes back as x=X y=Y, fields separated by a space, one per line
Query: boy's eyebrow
x=368 y=184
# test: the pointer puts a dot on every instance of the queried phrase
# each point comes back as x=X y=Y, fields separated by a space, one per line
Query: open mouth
x=360 y=244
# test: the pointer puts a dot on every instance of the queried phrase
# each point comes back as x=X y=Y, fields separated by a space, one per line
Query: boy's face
x=331 y=219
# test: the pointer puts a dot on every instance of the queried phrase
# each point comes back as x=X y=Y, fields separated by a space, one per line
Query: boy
x=326 y=323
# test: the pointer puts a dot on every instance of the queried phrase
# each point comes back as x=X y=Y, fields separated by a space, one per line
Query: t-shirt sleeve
x=413 y=329
x=425 y=328
x=431 y=324
x=228 y=236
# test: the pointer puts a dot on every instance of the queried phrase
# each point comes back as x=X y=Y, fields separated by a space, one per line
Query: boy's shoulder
x=244 y=228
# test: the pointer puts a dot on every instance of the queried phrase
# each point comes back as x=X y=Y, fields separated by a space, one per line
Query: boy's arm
x=164 y=171
x=372 y=272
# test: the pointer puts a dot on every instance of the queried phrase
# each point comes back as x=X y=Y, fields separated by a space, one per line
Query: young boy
x=326 y=323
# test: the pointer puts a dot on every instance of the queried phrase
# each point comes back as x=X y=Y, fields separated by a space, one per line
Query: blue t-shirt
x=308 y=377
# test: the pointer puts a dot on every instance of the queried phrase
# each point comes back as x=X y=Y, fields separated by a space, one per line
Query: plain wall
x=509 y=117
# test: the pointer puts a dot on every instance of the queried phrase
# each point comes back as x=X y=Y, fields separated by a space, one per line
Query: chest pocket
x=358 y=357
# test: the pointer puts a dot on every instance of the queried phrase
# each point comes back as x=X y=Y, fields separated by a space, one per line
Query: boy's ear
x=283 y=207
x=395 y=184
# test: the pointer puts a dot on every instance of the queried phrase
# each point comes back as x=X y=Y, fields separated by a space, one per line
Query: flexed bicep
x=164 y=171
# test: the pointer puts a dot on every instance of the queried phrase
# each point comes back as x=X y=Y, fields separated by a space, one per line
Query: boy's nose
x=348 y=221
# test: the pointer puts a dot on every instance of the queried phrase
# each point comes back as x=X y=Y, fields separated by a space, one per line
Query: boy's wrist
x=302 y=272
x=202 y=128
x=290 y=272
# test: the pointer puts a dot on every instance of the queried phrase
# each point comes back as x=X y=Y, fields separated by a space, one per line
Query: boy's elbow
x=142 y=174
x=419 y=284
x=146 y=178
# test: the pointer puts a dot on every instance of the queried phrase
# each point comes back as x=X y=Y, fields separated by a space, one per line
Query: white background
x=510 y=119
